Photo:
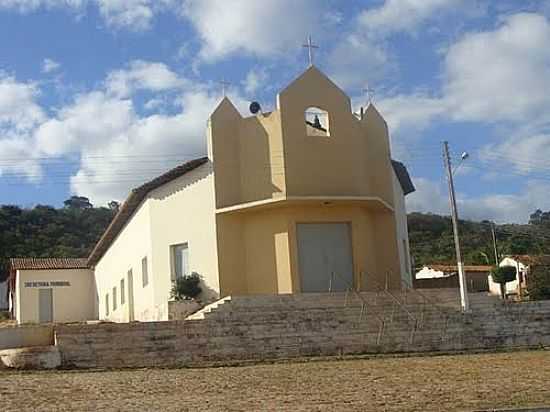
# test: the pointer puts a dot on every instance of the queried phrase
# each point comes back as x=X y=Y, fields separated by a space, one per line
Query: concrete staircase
x=244 y=328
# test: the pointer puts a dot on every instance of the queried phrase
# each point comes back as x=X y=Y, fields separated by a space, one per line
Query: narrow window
x=180 y=260
x=144 y=271
x=122 y=292
x=107 y=304
x=114 y=298
x=317 y=122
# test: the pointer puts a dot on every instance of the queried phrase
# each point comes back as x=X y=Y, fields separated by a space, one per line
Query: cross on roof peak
x=310 y=46
x=224 y=84
x=369 y=93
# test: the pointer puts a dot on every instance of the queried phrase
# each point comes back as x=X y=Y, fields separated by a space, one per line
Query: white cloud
x=254 y=27
x=50 y=65
x=406 y=112
x=502 y=74
x=502 y=208
x=403 y=15
x=31 y=5
x=357 y=59
x=142 y=75
x=255 y=79
x=18 y=108
x=135 y=15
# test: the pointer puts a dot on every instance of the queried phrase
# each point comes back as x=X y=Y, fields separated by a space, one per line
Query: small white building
x=523 y=265
x=52 y=290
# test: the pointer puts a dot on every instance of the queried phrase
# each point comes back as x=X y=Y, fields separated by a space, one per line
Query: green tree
x=538 y=283
x=186 y=287
x=503 y=275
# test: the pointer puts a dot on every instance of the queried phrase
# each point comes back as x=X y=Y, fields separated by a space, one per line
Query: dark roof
x=532 y=260
x=403 y=177
x=132 y=203
x=48 y=263
x=454 y=268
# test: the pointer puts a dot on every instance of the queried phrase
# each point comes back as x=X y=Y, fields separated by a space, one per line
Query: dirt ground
x=442 y=383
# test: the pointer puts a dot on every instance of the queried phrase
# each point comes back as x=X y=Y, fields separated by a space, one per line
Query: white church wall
x=183 y=212
x=125 y=254
x=402 y=231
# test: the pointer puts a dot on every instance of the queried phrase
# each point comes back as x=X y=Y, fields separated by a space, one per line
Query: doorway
x=325 y=249
x=45 y=305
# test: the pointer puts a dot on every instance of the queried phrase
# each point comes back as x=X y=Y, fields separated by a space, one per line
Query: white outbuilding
x=51 y=290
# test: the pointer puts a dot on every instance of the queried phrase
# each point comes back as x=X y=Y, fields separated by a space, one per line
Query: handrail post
x=330 y=282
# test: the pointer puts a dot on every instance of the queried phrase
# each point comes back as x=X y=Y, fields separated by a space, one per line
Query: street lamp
x=464 y=301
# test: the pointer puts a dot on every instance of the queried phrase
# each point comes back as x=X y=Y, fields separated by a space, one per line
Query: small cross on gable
x=369 y=93
x=310 y=46
x=225 y=84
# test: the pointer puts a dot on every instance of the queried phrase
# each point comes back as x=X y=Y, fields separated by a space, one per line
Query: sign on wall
x=48 y=284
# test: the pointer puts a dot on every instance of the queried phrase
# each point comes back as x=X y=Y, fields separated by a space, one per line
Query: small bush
x=538 y=283
x=187 y=287
x=4 y=315
x=503 y=275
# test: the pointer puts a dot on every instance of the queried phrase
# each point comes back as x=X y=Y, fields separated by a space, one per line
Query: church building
x=304 y=198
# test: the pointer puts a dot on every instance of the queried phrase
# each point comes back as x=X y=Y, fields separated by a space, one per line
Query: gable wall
x=125 y=253
x=354 y=160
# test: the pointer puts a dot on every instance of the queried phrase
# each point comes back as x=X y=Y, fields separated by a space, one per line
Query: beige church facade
x=305 y=198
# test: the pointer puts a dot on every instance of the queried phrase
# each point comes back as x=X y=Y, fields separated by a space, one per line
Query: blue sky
x=97 y=96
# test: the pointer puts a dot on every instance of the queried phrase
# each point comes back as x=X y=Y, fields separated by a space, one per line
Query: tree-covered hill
x=72 y=231
x=431 y=239
x=44 y=231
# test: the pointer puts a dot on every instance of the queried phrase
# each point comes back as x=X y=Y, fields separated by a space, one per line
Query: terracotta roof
x=48 y=263
x=532 y=260
x=454 y=268
x=132 y=203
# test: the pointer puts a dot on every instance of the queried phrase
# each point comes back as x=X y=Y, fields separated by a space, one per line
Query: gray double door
x=45 y=305
x=325 y=249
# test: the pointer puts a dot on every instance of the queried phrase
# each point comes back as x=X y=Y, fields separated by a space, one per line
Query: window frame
x=114 y=299
x=122 y=292
x=144 y=272
x=173 y=266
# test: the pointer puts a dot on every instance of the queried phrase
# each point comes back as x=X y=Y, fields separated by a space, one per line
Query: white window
x=107 y=304
x=180 y=260
x=122 y=292
x=144 y=271
x=114 y=298
x=317 y=122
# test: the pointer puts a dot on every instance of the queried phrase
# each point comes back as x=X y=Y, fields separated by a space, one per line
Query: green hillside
x=72 y=231
x=431 y=239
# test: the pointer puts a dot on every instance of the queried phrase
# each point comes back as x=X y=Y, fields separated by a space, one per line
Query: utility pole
x=454 y=214
x=494 y=242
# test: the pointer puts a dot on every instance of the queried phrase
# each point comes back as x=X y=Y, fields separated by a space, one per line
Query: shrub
x=538 y=283
x=187 y=287
x=503 y=275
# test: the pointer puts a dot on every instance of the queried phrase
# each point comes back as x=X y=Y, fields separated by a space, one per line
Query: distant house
x=524 y=265
x=446 y=276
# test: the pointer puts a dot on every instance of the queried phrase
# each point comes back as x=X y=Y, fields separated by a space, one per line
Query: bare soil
x=438 y=383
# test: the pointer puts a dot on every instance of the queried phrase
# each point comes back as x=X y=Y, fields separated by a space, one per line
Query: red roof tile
x=48 y=263
x=132 y=203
